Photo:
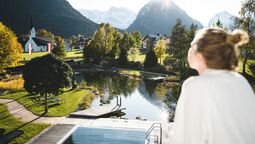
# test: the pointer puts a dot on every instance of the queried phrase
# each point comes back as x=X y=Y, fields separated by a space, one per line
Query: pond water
x=142 y=98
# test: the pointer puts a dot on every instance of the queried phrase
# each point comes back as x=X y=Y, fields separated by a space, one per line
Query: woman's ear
x=201 y=60
x=199 y=57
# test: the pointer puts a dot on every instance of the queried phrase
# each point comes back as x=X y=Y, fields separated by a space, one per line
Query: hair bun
x=238 y=37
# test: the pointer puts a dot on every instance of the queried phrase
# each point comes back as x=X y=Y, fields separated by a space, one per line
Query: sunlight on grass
x=69 y=55
x=27 y=57
x=71 y=100
x=130 y=72
x=74 y=54
x=12 y=84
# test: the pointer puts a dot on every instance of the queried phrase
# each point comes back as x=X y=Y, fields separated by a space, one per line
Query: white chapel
x=37 y=44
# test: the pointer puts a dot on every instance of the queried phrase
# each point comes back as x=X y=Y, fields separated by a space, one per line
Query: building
x=78 y=42
x=68 y=45
x=154 y=38
x=81 y=39
x=38 y=44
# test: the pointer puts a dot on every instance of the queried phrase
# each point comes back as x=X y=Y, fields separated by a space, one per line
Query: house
x=37 y=44
x=81 y=40
x=67 y=45
x=154 y=38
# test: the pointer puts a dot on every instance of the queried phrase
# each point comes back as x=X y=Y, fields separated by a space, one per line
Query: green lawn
x=27 y=57
x=10 y=123
x=72 y=54
x=141 y=58
x=71 y=100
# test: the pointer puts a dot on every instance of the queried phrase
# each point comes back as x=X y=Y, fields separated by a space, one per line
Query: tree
x=246 y=22
x=219 y=24
x=137 y=42
x=96 y=49
x=151 y=59
x=44 y=33
x=123 y=57
x=59 y=49
x=179 y=46
x=126 y=43
x=192 y=32
x=10 y=49
x=115 y=52
x=74 y=42
x=47 y=75
x=108 y=38
x=160 y=49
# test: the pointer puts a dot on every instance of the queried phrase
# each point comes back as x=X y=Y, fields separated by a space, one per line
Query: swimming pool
x=83 y=135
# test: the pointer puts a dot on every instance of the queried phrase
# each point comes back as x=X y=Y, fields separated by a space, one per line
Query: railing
x=154 y=134
x=118 y=105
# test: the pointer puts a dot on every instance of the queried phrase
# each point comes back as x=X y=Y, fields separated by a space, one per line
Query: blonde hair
x=219 y=47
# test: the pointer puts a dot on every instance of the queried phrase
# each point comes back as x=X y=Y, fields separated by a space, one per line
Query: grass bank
x=10 y=123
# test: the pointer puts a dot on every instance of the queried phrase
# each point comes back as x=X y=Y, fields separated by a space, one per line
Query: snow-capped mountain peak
x=118 y=17
x=225 y=18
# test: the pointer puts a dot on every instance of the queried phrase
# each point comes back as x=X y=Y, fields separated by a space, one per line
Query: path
x=20 y=112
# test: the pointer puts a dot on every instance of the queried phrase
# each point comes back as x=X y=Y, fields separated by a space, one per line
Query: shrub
x=252 y=69
x=151 y=59
x=135 y=65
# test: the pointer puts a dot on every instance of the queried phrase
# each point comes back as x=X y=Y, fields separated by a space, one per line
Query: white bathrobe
x=217 y=107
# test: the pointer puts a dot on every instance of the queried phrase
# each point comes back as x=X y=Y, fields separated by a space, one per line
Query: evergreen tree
x=179 y=48
x=123 y=57
x=151 y=59
x=59 y=49
x=160 y=49
x=10 y=49
x=192 y=32
x=246 y=22
x=219 y=24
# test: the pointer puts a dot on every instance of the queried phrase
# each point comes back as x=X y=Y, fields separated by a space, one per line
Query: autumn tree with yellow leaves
x=10 y=48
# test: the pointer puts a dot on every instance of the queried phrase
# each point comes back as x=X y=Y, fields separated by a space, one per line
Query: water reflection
x=143 y=99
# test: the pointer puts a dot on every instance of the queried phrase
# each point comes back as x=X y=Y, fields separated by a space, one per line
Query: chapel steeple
x=32 y=32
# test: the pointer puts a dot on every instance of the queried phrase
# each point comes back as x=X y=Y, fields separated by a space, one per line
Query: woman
x=218 y=106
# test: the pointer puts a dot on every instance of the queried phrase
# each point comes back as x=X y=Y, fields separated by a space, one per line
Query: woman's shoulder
x=196 y=81
x=205 y=80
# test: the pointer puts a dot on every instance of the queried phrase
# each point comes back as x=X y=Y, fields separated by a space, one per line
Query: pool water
x=84 y=135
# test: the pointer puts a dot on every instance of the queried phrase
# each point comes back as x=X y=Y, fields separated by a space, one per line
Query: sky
x=201 y=10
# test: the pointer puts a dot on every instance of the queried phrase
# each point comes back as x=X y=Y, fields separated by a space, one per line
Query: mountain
x=118 y=17
x=56 y=16
x=225 y=18
x=159 y=16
